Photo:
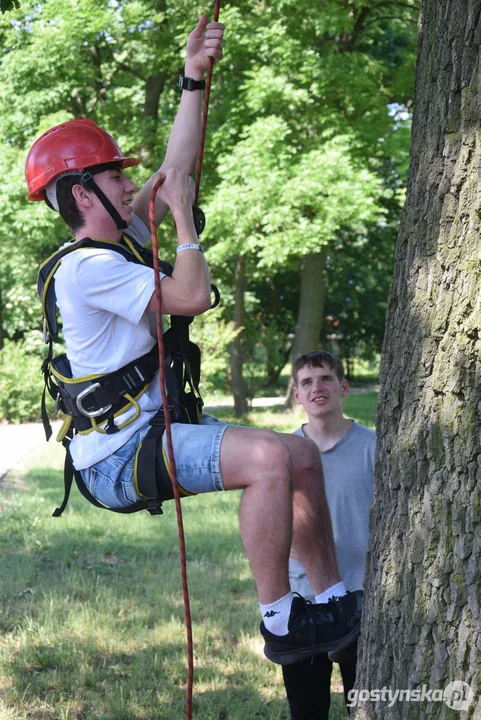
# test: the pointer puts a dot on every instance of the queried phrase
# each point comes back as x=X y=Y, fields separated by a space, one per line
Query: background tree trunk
x=423 y=593
x=154 y=85
x=312 y=298
x=2 y=341
x=236 y=362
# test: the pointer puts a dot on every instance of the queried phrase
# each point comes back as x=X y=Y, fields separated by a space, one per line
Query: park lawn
x=360 y=405
x=92 y=623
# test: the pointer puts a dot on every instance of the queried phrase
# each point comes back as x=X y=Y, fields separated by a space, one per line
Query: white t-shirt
x=102 y=299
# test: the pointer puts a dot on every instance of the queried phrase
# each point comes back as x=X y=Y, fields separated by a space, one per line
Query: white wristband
x=189 y=246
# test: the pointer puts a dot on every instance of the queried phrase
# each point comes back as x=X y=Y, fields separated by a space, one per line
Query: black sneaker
x=349 y=654
x=315 y=629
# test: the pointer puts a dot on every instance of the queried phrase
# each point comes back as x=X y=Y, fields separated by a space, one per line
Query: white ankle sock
x=276 y=614
x=337 y=590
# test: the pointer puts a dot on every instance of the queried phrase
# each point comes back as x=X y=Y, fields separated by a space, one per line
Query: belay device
x=92 y=402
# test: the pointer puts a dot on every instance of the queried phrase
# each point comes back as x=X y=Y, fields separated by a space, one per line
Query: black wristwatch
x=186 y=83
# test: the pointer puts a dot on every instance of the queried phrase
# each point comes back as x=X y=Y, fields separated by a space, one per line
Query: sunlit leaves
x=276 y=203
x=301 y=145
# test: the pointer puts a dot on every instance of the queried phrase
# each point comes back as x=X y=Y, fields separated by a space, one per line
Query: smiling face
x=119 y=190
x=319 y=390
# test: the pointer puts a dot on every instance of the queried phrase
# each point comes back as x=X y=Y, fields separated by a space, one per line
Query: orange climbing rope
x=160 y=342
x=170 y=451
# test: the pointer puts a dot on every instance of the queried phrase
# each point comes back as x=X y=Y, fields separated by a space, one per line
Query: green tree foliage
x=6 y=5
x=275 y=202
x=63 y=60
x=303 y=146
x=314 y=146
x=357 y=298
x=21 y=383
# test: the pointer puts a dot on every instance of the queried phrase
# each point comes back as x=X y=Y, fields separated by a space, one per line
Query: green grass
x=360 y=406
x=366 y=374
x=91 y=616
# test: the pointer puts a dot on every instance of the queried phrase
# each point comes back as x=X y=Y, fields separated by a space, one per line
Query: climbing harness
x=91 y=403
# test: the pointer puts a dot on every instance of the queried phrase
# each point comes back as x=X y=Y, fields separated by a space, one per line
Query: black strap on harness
x=101 y=398
x=152 y=504
x=92 y=401
x=134 y=253
x=88 y=179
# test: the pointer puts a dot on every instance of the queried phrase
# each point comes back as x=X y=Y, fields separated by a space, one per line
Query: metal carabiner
x=84 y=394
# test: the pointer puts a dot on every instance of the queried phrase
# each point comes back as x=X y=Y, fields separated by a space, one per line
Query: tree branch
x=128 y=69
x=121 y=65
x=396 y=5
x=388 y=17
x=358 y=27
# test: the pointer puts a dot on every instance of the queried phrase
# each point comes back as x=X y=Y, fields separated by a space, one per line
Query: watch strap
x=187 y=83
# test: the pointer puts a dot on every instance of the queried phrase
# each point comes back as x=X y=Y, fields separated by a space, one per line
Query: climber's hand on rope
x=204 y=44
x=188 y=291
x=205 y=41
x=177 y=192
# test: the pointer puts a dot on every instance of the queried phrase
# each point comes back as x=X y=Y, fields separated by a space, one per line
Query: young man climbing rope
x=106 y=298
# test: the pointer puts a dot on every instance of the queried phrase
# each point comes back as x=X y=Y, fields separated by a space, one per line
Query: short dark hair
x=67 y=205
x=318 y=358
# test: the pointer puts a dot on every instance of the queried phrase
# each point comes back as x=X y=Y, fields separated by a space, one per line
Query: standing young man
x=347 y=451
x=105 y=301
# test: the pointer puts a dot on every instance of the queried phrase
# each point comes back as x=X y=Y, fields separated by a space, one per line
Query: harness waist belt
x=102 y=397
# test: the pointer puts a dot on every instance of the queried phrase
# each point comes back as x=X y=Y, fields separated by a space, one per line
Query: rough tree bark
x=422 y=620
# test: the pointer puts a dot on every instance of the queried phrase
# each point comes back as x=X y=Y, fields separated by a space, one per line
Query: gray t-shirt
x=349 y=481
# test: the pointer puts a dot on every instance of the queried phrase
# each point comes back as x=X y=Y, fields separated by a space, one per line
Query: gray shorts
x=197 y=460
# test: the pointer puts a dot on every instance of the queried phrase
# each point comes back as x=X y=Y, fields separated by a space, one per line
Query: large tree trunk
x=312 y=299
x=238 y=385
x=422 y=617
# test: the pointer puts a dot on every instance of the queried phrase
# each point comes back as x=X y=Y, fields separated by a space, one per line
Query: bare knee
x=306 y=461
x=305 y=455
x=270 y=451
x=251 y=456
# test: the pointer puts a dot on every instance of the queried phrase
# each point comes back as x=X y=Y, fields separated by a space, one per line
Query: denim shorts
x=197 y=460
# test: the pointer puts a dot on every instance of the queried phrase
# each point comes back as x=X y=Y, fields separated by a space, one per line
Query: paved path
x=17 y=441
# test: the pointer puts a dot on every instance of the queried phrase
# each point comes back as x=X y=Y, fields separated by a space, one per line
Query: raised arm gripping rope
x=158 y=294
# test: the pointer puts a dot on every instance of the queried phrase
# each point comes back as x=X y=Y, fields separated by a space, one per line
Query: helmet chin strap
x=89 y=181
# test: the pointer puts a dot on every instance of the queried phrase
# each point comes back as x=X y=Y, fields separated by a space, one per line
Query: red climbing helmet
x=71 y=146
